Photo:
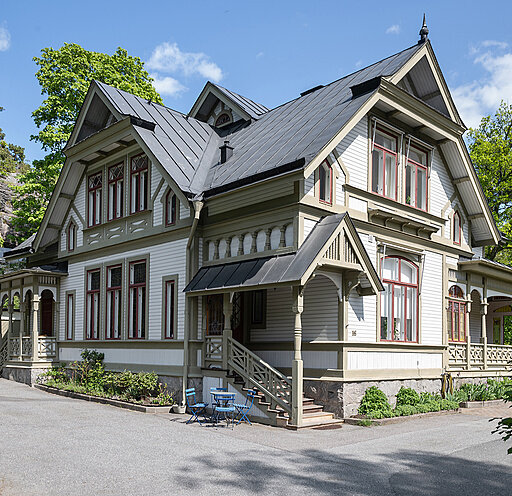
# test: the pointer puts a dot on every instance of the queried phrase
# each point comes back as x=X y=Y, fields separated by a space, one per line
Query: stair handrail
x=281 y=395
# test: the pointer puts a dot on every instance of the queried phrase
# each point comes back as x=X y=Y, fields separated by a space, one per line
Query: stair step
x=316 y=415
x=319 y=424
x=312 y=408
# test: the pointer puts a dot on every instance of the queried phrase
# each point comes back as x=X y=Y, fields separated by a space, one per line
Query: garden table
x=223 y=405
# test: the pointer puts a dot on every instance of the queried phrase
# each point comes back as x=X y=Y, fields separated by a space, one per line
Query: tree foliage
x=12 y=157
x=490 y=147
x=65 y=76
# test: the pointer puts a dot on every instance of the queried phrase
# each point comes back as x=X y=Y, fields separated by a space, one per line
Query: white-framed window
x=93 y=304
x=325 y=182
x=385 y=164
x=137 y=300
x=94 y=184
x=114 y=294
x=416 y=178
x=139 y=183
x=115 y=191
x=456 y=315
x=170 y=208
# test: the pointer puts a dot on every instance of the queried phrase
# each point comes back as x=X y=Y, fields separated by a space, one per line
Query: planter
x=481 y=404
x=396 y=420
x=179 y=409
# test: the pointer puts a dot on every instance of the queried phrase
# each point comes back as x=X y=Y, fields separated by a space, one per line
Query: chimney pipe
x=226 y=152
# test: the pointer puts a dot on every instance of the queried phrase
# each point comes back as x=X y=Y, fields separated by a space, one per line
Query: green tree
x=490 y=146
x=12 y=157
x=65 y=76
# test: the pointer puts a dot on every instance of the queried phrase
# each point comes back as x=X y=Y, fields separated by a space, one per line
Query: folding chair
x=225 y=400
x=215 y=403
x=243 y=410
x=195 y=407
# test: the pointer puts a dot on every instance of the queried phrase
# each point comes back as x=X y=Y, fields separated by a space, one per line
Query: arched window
x=456 y=314
x=399 y=301
x=325 y=182
x=456 y=228
x=170 y=208
x=71 y=236
x=223 y=118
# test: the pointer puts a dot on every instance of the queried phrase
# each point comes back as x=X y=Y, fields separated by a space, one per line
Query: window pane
x=412 y=320
x=418 y=156
x=386 y=303
x=377 y=171
x=409 y=185
x=169 y=326
x=138 y=273
x=390 y=269
x=94 y=280
x=409 y=272
x=114 y=277
x=421 y=200
x=385 y=141
x=399 y=308
x=390 y=178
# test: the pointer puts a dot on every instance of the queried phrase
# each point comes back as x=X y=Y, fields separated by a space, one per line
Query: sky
x=269 y=51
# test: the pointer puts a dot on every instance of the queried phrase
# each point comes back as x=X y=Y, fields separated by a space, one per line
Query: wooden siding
x=280 y=318
x=340 y=181
x=431 y=300
x=312 y=359
x=309 y=185
x=309 y=224
x=441 y=187
x=379 y=360
x=353 y=150
x=475 y=318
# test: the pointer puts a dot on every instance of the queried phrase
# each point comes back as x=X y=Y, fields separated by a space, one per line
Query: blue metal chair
x=215 y=403
x=197 y=408
x=243 y=409
x=226 y=407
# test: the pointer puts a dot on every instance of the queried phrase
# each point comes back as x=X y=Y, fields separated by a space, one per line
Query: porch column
x=227 y=333
x=483 y=339
x=23 y=307
x=297 y=364
x=35 y=327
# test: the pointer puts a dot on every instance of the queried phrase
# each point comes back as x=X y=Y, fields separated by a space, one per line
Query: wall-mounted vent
x=226 y=152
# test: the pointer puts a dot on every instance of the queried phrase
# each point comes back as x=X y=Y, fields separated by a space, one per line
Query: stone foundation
x=175 y=385
x=25 y=375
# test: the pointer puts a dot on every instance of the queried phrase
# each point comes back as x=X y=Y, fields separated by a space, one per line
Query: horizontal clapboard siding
x=353 y=150
x=441 y=187
x=308 y=226
x=378 y=360
x=431 y=323
x=475 y=318
x=309 y=185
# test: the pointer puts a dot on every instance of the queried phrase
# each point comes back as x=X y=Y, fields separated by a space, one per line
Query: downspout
x=198 y=205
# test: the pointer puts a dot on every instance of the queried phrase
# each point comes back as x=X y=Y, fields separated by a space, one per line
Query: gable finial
x=423 y=31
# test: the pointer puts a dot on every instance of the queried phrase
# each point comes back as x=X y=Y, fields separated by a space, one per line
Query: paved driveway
x=57 y=446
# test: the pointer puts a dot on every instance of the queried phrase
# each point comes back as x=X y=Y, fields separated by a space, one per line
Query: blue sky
x=269 y=51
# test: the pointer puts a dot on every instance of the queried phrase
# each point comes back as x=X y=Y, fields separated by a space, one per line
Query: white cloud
x=168 y=58
x=167 y=85
x=483 y=96
x=394 y=29
x=5 y=39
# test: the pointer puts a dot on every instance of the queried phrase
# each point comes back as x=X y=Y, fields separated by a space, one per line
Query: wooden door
x=214 y=315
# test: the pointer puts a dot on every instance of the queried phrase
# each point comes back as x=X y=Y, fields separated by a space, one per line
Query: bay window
x=385 y=164
x=114 y=315
x=115 y=191
x=137 y=300
x=169 y=309
x=399 y=301
x=170 y=208
x=416 y=179
x=325 y=182
x=456 y=315
x=93 y=304
x=139 y=183
x=94 y=199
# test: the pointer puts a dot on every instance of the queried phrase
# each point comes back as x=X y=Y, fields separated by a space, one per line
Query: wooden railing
x=274 y=385
x=4 y=355
x=46 y=347
x=213 y=350
x=480 y=356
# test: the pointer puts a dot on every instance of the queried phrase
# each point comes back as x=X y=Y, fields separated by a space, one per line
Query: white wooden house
x=329 y=243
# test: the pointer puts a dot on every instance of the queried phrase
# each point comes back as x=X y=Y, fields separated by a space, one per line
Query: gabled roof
x=254 y=109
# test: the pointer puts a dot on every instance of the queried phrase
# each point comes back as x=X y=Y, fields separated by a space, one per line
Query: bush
x=402 y=410
x=407 y=396
x=374 y=400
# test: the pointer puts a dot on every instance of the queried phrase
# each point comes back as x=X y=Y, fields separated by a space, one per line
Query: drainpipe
x=198 y=205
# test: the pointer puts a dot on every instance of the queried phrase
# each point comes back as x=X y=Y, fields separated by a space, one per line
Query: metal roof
x=252 y=108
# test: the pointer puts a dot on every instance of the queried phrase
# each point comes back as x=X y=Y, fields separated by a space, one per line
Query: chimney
x=226 y=152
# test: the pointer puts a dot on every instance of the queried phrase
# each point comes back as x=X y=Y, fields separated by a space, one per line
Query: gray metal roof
x=252 y=108
x=296 y=131
x=24 y=246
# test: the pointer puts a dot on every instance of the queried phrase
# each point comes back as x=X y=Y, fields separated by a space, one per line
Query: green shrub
x=92 y=357
x=403 y=410
x=374 y=400
x=380 y=414
x=407 y=396
x=448 y=405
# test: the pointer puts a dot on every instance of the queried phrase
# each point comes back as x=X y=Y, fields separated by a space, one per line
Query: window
x=325 y=182
x=384 y=165
x=399 y=301
x=139 y=186
x=456 y=315
x=137 y=296
x=114 y=280
x=416 y=179
x=94 y=199
x=223 y=118
x=169 y=309
x=71 y=236
x=115 y=191
x=258 y=307
x=70 y=315
x=456 y=228
x=170 y=208
x=93 y=304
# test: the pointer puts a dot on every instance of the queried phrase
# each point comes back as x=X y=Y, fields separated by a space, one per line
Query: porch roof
x=291 y=269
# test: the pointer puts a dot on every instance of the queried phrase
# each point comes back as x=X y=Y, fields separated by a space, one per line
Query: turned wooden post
x=297 y=364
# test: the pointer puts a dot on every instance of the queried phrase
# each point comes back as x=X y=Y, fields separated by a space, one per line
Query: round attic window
x=223 y=118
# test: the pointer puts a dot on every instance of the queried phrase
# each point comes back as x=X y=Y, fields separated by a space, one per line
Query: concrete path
x=51 y=445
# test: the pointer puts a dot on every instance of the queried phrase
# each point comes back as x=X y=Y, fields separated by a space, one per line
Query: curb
x=481 y=404
x=397 y=420
x=105 y=401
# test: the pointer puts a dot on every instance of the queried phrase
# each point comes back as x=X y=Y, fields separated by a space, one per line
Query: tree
x=65 y=76
x=490 y=146
x=12 y=157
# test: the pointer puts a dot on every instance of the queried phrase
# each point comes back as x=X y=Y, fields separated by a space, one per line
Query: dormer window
x=384 y=164
x=416 y=179
x=139 y=183
x=325 y=182
x=170 y=208
x=71 y=236
x=222 y=119
x=94 y=199
x=456 y=234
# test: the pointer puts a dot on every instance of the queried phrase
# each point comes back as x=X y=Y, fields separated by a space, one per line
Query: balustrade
x=481 y=356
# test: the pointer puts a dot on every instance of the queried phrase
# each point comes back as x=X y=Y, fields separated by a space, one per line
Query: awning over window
x=333 y=244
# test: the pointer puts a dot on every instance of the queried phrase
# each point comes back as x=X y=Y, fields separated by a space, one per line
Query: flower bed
x=88 y=377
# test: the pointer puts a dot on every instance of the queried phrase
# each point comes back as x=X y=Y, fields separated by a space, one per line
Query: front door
x=237 y=320
x=214 y=315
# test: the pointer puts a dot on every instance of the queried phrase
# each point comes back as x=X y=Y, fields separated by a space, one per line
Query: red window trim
x=456 y=215
x=461 y=308
x=133 y=173
x=173 y=221
x=89 y=190
x=407 y=285
x=421 y=166
x=395 y=154
x=167 y=283
x=91 y=314
x=108 y=290
x=113 y=200
x=69 y=332
x=130 y=287
x=71 y=224
x=319 y=188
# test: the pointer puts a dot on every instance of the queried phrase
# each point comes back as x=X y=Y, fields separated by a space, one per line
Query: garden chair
x=225 y=407
x=243 y=409
x=197 y=408
x=215 y=403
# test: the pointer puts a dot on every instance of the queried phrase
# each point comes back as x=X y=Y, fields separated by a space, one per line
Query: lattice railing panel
x=499 y=354
x=457 y=353
x=27 y=346
x=476 y=354
x=3 y=353
x=15 y=347
x=213 y=351
x=46 y=347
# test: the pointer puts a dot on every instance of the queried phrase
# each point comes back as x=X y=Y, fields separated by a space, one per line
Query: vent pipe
x=226 y=152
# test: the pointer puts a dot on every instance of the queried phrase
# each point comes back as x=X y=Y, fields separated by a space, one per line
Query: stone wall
x=175 y=385
x=25 y=375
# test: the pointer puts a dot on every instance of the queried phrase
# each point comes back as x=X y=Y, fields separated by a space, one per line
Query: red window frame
x=417 y=166
x=69 y=325
x=320 y=168
x=405 y=285
x=170 y=310
x=457 y=228
x=133 y=288
x=385 y=152
x=110 y=294
x=135 y=175
x=457 y=313
x=92 y=190
x=90 y=309
x=71 y=236
x=113 y=192
x=170 y=208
